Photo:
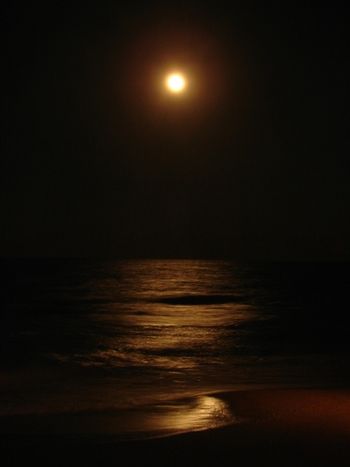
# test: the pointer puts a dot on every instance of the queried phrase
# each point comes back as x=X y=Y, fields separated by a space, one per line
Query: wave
x=200 y=299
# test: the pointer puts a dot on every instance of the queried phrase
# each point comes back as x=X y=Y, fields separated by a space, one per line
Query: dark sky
x=254 y=164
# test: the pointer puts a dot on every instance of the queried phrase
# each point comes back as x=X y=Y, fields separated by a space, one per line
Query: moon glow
x=176 y=83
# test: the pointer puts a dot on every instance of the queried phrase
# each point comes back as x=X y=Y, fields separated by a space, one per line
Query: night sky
x=96 y=162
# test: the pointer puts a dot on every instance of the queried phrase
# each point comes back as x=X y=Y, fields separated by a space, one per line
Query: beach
x=284 y=427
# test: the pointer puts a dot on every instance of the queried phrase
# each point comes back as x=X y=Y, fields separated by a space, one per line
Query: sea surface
x=146 y=344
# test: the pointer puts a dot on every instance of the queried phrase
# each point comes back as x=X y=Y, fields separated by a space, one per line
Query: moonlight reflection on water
x=202 y=413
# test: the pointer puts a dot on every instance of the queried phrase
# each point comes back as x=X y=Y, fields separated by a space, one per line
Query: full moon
x=175 y=83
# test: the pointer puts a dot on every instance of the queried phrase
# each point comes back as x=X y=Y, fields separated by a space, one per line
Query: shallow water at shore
x=306 y=427
x=153 y=421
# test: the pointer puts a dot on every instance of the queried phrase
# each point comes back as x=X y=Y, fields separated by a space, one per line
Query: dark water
x=129 y=338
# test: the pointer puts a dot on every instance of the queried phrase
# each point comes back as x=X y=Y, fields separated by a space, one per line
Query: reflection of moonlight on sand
x=201 y=413
x=176 y=83
x=177 y=416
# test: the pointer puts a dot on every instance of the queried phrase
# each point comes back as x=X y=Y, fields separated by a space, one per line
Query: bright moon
x=175 y=83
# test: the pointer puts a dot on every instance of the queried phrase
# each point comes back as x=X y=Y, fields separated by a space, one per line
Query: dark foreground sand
x=304 y=427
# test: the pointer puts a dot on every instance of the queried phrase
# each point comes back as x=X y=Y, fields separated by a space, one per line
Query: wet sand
x=295 y=427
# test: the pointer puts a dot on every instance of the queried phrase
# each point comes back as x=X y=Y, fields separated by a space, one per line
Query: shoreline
x=304 y=427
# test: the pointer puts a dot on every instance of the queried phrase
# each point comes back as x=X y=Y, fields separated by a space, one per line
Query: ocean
x=150 y=342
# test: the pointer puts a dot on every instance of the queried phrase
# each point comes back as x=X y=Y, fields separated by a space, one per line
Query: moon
x=176 y=83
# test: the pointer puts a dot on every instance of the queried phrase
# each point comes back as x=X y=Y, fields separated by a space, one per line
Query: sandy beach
x=289 y=427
